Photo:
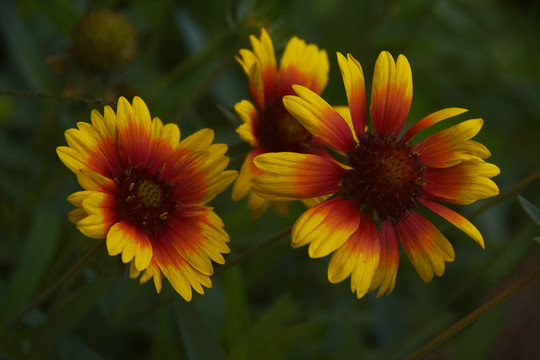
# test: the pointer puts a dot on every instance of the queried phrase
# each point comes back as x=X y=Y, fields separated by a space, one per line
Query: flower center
x=277 y=130
x=143 y=199
x=149 y=193
x=386 y=176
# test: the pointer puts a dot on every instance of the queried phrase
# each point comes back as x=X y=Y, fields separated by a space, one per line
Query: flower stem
x=398 y=348
x=72 y=99
x=467 y=320
x=204 y=85
x=477 y=273
x=74 y=270
x=190 y=62
x=253 y=250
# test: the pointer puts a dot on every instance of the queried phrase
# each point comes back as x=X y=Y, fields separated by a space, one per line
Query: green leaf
x=71 y=347
x=530 y=208
x=198 y=340
x=78 y=304
x=24 y=47
x=346 y=328
x=62 y=13
x=73 y=309
x=36 y=257
x=272 y=336
x=237 y=308
x=271 y=321
x=165 y=339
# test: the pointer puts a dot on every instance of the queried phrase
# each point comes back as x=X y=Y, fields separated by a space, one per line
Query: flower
x=267 y=126
x=145 y=191
x=104 y=40
x=383 y=181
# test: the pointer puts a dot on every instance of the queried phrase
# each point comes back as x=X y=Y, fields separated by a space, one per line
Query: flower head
x=268 y=127
x=382 y=181
x=104 y=40
x=145 y=192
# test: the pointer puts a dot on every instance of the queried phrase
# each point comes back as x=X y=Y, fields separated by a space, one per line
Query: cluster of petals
x=267 y=126
x=377 y=179
x=146 y=191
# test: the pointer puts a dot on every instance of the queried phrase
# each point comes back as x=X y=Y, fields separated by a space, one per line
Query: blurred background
x=276 y=303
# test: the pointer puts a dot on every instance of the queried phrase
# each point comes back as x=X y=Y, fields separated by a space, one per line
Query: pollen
x=386 y=176
x=149 y=193
x=144 y=199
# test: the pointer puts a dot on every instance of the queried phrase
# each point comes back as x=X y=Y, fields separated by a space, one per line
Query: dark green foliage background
x=481 y=55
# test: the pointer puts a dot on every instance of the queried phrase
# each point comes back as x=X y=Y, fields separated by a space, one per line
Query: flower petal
x=182 y=276
x=264 y=51
x=385 y=276
x=391 y=94
x=198 y=141
x=456 y=219
x=463 y=183
x=174 y=267
x=431 y=120
x=260 y=67
x=248 y=171
x=252 y=68
x=185 y=234
x=140 y=112
x=134 y=132
x=248 y=130
x=152 y=271
x=103 y=126
x=326 y=226
x=91 y=180
x=292 y=176
x=280 y=207
x=77 y=198
x=91 y=148
x=216 y=238
x=84 y=139
x=353 y=79
x=169 y=133
x=357 y=257
x=77 y=215
x=302 y=64
x=320 y=119
x=257 y=205
x=130 y=240
x=451 y=146
x=102 y=214
x=425 y=245
x=70 y=157
x=218 y=183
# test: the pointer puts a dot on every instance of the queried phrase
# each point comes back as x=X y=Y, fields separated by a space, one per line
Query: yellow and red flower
x=267 y=126
x=384 y=179
x=145 y=192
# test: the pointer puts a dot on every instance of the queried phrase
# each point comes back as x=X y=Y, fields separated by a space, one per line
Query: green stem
x=467 y=320
x=193 y=60
x=401 y=346
x=253 y=250
x=72 y=99
x=517 y=188
x=199 y=91
x=74 y=270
